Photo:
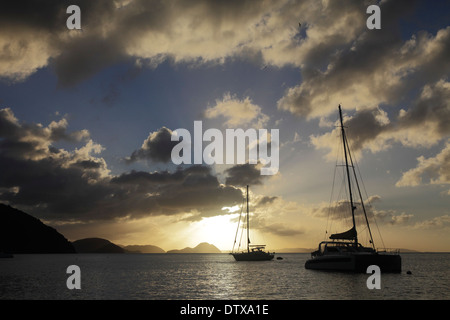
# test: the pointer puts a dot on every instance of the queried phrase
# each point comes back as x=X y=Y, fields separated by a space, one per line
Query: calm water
x=213 y=276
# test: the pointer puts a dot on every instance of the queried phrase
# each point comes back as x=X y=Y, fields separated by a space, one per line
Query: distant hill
x=23 y=233
x=203 y=247
x=143 y=249
x=96 y=245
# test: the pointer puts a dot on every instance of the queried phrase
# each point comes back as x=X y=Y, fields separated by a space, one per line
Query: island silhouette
x=96 y=245
x=23 y=233
x=203 y=247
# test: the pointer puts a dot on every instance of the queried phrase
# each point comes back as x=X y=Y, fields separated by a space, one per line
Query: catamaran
x=252 y=252
x=343 y=252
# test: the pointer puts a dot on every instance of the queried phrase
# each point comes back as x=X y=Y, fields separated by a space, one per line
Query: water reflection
x=212 y=276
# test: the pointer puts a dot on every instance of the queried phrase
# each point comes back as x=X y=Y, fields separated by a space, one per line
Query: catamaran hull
x=252 y=256
x=356 y=263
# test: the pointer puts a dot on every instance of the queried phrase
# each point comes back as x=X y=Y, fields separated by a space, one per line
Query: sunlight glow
x=218 y=230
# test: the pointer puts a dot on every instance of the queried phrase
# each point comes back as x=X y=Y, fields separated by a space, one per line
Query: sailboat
x=343 y=252
x=252 y=252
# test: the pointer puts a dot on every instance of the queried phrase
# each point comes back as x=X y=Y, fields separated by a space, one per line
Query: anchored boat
x=252 y=252
x=343 y=252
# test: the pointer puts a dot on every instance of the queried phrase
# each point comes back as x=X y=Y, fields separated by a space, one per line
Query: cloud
x=265 y=200
x=433 y=170
x=157 y=147
x=193 y=190
x=361 y=131
x=67 y=186
x=373 y=68
x=244 y=174
x=34 y=35
x=43 y=176
x=440 y=222
x=149 y=32
x=238 y=113
x=84 y=56
x=34 y=141
x=267 y=213
x=392 y=217
x=339 y=59
x=424 y=124
x=340 y=211
x=76 y=185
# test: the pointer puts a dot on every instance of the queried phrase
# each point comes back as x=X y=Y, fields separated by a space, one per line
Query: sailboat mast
x=362 y=202
x=248 y=227
x=348 y=176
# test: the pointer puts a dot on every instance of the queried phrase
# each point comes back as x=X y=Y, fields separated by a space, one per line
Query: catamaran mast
x=248 y=228
x=362 y=202
x=348 y=175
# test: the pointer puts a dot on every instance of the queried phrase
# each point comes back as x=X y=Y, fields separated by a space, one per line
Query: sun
x=219 y=231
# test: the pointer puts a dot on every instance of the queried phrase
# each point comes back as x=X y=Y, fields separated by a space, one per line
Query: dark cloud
x=84 y=57
x=47 y=15
x=35 y=33
x=376 y=67
x=192 y=189
x=51 y=190
x=88 y=164
x=157 y=147
x=244 y=174
x=63 y=185
x=32 y=140
x=365 y=126
x=429 y=113
x=424 y=123
x=432 y=106
x=335 y=53
x=51 y=16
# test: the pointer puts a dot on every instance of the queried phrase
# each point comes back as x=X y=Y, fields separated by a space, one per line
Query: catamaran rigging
x=344 y=252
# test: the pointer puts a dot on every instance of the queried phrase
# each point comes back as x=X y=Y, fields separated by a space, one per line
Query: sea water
x=213 y=277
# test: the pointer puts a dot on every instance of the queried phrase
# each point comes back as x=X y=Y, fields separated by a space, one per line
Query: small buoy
x=408 y=272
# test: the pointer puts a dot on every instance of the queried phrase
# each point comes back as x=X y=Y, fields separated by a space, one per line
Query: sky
x=87 y=115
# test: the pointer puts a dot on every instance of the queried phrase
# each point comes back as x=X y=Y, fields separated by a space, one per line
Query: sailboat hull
x=356 y=262
x=253 y=256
